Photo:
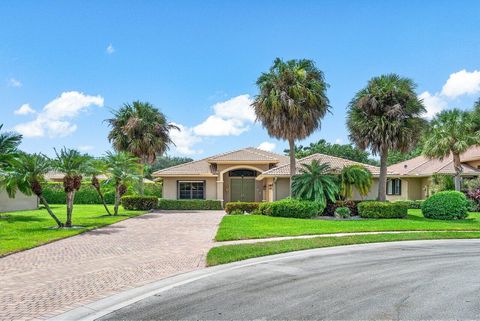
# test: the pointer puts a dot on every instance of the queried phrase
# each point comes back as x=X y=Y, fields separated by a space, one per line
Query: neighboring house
x=248 y=174
x=412 y=179
x=19 y=203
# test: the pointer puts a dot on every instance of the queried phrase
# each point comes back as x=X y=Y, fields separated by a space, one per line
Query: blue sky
x=64 y=65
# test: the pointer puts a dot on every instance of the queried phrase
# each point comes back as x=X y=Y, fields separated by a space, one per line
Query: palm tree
x=121 y=168
x=142 y=130
x=95 y=168
x=27 y=175
x=292 y=101
x=73 y=165
x=384 y=116
x=355 y=176
x=451 y=132
x=316 y=183
x=9 y=143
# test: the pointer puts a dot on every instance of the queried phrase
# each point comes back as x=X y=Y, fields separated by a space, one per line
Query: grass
x=26 y=229
x=238 y=227
x=231 y=253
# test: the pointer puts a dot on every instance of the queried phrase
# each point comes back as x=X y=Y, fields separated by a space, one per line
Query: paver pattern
x=54 y=278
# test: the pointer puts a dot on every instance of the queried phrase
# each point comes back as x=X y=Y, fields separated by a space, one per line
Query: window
x=394 y=186
x=193 y=190
x=242 y=173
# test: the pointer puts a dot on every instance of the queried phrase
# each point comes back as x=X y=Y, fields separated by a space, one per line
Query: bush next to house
x=411 y=204
x=342 y=212
x=373 y=209
x=447 y=205
x=243 y=207
x=291 y=208
x=351 y=205
x=166 y=204
x=138 y=202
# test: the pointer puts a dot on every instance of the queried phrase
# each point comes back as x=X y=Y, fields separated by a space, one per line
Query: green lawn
x=232 y=253
x=26 y=229
x=237 y=227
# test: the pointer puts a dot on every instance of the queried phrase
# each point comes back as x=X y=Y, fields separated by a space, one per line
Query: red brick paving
x=54 y=278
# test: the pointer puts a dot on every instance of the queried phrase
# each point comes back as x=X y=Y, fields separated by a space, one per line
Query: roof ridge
x=180 y=165
x=356 y=162
x=254 y=151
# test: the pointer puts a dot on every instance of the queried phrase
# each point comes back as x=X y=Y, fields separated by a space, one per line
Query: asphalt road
x=409 y=280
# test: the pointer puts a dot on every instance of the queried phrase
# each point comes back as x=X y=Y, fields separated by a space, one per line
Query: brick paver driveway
x=51 y=279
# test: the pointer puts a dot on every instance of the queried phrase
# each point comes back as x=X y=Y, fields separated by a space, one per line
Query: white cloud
x=25 y=109
x=267 y=146
x=184 y=140
x=433 y=103
x=462 y=83
x=338 y=141
x=85 y=148
x=110 y=49
x=14 y=82
x=230 y=118
x=54 y=118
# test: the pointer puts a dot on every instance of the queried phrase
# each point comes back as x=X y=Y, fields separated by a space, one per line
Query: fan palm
x=316 y=183
x=73 y=165
x=384 y=116
x=26 y=175
x=121 y=168
x=292 y=101
x=142 y=130
x=452 y=132
x=9 y=143
x=95 y=168
x=355 y=176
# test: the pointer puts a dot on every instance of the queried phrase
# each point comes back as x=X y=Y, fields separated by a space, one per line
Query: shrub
x=352 y=206
x=138 y=202
x=236 y=212
x=410 y=204
x=291 y=208
x=166 y=204
x=447 y=205
x=472 y=206
x=248 y=207
x=342 y=212
x=373 y=209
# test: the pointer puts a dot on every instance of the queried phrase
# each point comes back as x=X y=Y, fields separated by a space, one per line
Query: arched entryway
x=242 y=185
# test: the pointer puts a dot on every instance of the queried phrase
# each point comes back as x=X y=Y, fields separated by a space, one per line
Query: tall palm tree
x=96 y=167
x=316 y=183
x=27 y=175
x=383 y=116
x=121 y=168
x=451 y=132
x=142 y=130
x=292 y=101
x=9 y=143
x=73 y=165
x=355 y=176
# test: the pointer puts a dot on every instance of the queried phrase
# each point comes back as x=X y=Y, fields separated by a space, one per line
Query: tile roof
x=336 y=163
x=423 y=166
x=206 y=166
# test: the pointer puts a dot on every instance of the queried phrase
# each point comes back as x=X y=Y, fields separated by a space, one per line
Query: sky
x=65 y=65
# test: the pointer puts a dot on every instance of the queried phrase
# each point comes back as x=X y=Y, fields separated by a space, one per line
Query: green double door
x=242 y=189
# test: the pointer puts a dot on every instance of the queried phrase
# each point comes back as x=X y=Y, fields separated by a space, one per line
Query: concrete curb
x=97 y=309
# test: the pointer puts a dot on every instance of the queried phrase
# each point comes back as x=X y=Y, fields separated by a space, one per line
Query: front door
x=242 y=189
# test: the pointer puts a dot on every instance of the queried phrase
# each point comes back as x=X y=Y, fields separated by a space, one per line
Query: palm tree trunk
x=382 y=180
x=117 y=200
x=49 y=210
x=457 y=164
x=103 y=200
x=141 y=187
x=291 y=143
x=70 y=197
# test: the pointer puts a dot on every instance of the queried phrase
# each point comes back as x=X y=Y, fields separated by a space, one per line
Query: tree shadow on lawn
x=468 y=220
x=21 y=218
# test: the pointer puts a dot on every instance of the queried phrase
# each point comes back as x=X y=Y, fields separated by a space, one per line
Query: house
x=248 y=174
x=412 y=179
x=19 y=203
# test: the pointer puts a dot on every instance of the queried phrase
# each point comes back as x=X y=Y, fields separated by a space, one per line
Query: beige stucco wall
x=372 y=194
x=281 y=188
x=20 y=202
x=169 y=190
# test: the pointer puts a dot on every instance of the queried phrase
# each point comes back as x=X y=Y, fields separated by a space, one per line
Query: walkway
x=51 y=279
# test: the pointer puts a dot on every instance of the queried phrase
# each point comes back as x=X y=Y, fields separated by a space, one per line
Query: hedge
x=291 y=208
x=447 y=205
x=373 y=209
x=54 y=193
x=166 y=204
x=351 y=205
x=411 y=204
x=138 y=202
x=248 y=207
